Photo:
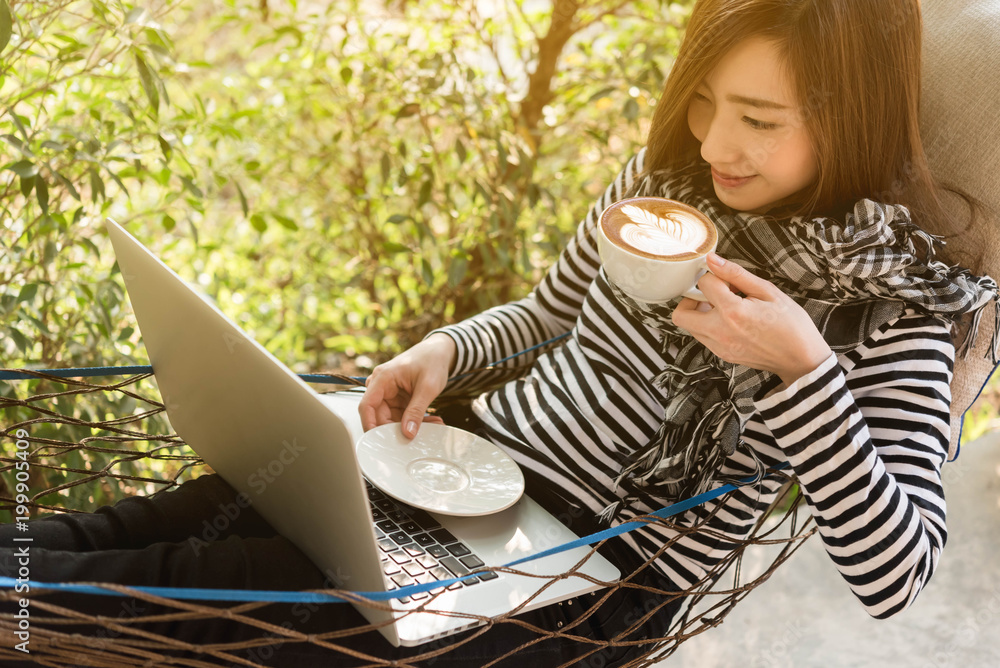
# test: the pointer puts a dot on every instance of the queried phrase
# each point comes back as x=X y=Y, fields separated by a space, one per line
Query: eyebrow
x=755 y=102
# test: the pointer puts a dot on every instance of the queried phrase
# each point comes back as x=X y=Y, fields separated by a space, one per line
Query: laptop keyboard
x=417 y=549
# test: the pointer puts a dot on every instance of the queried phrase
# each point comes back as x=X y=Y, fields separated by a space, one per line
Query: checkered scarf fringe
x=851 y=276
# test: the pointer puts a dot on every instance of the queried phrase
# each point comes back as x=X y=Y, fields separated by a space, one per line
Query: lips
x=730 y=180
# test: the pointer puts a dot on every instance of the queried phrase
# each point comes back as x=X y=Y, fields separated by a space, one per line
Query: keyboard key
x=443 y=536
x=414 y=569
x=423 y=539
x=437 y=551
x=472 y=562
x=427 y=561
x=398 y=516
x=374 y=494
x=386 y=545
x=439 y=573
x=423 y=518
x=413 y=550
x=400 y=538
x=410 y=527
x=488 y=575
x=403 y=580
x=391 y=568
x=399 y=557
x=468 y=582
x=459 y=549
x=377 y=515
x=455 y=566
x=387 y=526
x=385 y=504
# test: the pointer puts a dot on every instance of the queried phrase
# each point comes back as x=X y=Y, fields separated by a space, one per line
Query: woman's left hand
x=765 y=329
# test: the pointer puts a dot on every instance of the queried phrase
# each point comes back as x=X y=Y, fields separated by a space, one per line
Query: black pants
x=204 y=535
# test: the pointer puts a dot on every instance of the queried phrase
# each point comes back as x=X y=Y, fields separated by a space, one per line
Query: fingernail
x=411 y=428
x=718 y=260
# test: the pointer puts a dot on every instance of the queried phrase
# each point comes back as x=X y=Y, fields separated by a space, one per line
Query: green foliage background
x=342 y=177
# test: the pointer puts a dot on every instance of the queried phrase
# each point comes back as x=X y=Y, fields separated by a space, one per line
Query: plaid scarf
x=851 y=276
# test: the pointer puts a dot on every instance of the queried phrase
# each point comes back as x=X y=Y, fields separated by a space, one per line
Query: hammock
x=59 y=431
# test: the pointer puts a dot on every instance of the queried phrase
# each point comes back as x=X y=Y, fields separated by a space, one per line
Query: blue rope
x=89 y=371
x=196 y=594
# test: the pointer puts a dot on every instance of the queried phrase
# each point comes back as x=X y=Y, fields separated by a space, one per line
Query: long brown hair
x=855 y=66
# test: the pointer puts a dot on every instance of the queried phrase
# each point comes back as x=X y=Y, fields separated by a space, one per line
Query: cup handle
x=694 y=293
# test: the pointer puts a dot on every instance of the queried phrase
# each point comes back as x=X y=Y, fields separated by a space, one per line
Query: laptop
x=292 y=452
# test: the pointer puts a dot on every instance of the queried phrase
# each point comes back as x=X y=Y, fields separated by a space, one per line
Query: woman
x=827 y=343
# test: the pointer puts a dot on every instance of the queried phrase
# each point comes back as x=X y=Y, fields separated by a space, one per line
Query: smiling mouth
x=728 y=180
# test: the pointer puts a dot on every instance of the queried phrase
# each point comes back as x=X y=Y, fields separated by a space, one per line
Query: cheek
x=697 y=122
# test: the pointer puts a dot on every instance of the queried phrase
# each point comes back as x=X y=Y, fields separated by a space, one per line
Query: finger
x=688 y=314
x=433 y=419
x=367 y=408
x=739 y=278
x=385 y=414
x=415 y=410
x=717 y=291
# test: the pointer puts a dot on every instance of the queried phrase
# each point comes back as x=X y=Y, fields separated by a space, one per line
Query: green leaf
x=168 y=222
x=27 y=293
x=96 y=185
x=346 y=73
x=6 y=24
x=69 y=186
x=457 y=267
x=27 y=185
x=23 y=168
x=394 y=247
x=135 y=15
x=165 y=147
x=407 y=110
x=192 y=187
x=397 y=218
x=243 y=200
x=426 y=189
x=42 y=192
x=460 y=149
x=258 y=222
x=20 y=340
x=285 y=222
x=148 y=83
x=631 y=110
x=386 y=167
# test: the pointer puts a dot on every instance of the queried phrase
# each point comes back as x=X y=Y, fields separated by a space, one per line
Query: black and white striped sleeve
x=866 y=438
x=549 y=310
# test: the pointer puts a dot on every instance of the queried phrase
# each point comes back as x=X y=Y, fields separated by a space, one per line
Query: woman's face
x=751 y=129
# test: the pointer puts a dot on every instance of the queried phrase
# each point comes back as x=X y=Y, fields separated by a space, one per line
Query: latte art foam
x=668 y=234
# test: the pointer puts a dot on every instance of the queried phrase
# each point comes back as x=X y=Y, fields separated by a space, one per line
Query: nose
x=719 y=146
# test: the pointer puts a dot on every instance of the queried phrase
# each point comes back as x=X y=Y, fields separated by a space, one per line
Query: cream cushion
x=960 y=122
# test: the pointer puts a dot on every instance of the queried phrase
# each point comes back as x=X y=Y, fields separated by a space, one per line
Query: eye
x=759 y=125
x=698 y=97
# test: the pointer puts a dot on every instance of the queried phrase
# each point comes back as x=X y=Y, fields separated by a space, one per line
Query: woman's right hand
x=401 y=389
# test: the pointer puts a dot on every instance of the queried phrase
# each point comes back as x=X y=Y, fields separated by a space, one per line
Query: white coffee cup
x=659 y=248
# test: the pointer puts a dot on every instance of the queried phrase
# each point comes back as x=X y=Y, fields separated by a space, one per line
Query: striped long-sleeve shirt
x=865 y=433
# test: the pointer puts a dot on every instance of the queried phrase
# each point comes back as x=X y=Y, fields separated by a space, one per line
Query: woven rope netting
x=91 y=444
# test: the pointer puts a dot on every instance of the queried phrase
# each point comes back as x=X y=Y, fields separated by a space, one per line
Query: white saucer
x=443 y=469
